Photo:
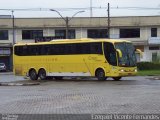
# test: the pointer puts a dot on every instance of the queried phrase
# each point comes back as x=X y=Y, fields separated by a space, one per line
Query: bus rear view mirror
x=119 y=52
x=138 y=51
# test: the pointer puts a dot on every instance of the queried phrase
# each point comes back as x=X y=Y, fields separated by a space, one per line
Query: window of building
x=154 y=57
x=154 y=48
x=62 y=34
x=5 y=51
x=97 y=33
x=31 y=34
x=130 y=33
x=3 y=34
x=153 y=32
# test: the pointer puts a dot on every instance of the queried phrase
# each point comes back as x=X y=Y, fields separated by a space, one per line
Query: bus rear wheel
x=33 y=75
x=100 y=74
x=42 y=74
x=117 y=78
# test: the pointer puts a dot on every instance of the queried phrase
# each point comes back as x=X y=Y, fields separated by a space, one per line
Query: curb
x=156 y=78
x=17 y=84
x=6 y=73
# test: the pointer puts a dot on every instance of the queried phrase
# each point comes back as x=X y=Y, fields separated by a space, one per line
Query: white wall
x=147 y=56
x=81 y=33
x=114 y=33
x=48 y=32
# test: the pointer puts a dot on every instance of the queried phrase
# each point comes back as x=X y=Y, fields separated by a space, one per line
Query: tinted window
x=42 y=49
x=96 y=48
x=153 y=32
x=110 y=53
x=83 y=48
x=32 y=34
x=97 y=33
x=130 y=33
x=154 y=48
x=59 y=49
x=62 y=34
x=3 y=34
x=70 y=48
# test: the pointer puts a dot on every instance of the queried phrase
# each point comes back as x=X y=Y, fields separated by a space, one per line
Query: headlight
x=122 y=70
x=135 y=70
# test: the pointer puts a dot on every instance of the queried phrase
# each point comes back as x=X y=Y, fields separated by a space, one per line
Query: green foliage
x=148 y=66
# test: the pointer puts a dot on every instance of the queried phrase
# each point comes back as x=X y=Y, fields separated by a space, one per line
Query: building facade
x=143 y=31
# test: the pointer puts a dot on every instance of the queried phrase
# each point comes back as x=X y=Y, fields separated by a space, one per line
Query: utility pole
x=91 y=14
x=67 y=26
x=108 y=10
x=13 y=27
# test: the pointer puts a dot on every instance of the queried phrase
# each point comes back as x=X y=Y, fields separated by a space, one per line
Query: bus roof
x=83 y=40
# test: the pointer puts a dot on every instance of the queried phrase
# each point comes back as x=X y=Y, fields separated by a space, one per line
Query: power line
x=84 y=8
x=45 y=9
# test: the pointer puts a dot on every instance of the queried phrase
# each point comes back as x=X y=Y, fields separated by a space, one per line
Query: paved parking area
x=130 y=95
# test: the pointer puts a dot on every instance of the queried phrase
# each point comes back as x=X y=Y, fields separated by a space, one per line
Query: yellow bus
x=101 y=58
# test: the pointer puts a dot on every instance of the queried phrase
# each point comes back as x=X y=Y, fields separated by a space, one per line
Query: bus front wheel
x=100 y=74
x=33 y=75
x=42 y=74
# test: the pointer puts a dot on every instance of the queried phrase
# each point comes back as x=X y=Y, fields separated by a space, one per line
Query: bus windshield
x=128 y=54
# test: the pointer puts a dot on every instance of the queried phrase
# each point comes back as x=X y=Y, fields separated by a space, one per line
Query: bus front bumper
x=127 y=74
x=122 y=72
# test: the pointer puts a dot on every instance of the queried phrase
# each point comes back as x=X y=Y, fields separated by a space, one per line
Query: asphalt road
x=128 y=96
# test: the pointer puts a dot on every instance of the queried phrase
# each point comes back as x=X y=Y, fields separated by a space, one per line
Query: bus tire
x=100 y=74
x=42 y=74
x=33 y=74
x=117 y=78
x=58 y=78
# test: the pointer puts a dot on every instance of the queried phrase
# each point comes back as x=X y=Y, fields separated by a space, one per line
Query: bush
x=148 y=66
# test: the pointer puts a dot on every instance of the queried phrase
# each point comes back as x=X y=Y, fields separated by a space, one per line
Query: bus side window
x=24 y=50
x=40 y=49
x=32 y=50
x=78 y=48
x=61 y=50
x=96 y=48
x=56 y=49
x=18 y=50
x=35 y=50
x=43 y=50
x=47 y=50
x=83 y=48
x=87 y=49
x=52 y=49
x=69 y=49
x=72 y=48
x=29 y=50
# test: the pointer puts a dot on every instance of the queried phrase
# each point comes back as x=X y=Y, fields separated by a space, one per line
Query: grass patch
x=148 y=73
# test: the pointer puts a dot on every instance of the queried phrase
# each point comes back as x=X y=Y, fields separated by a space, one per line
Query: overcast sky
x=116 y=7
